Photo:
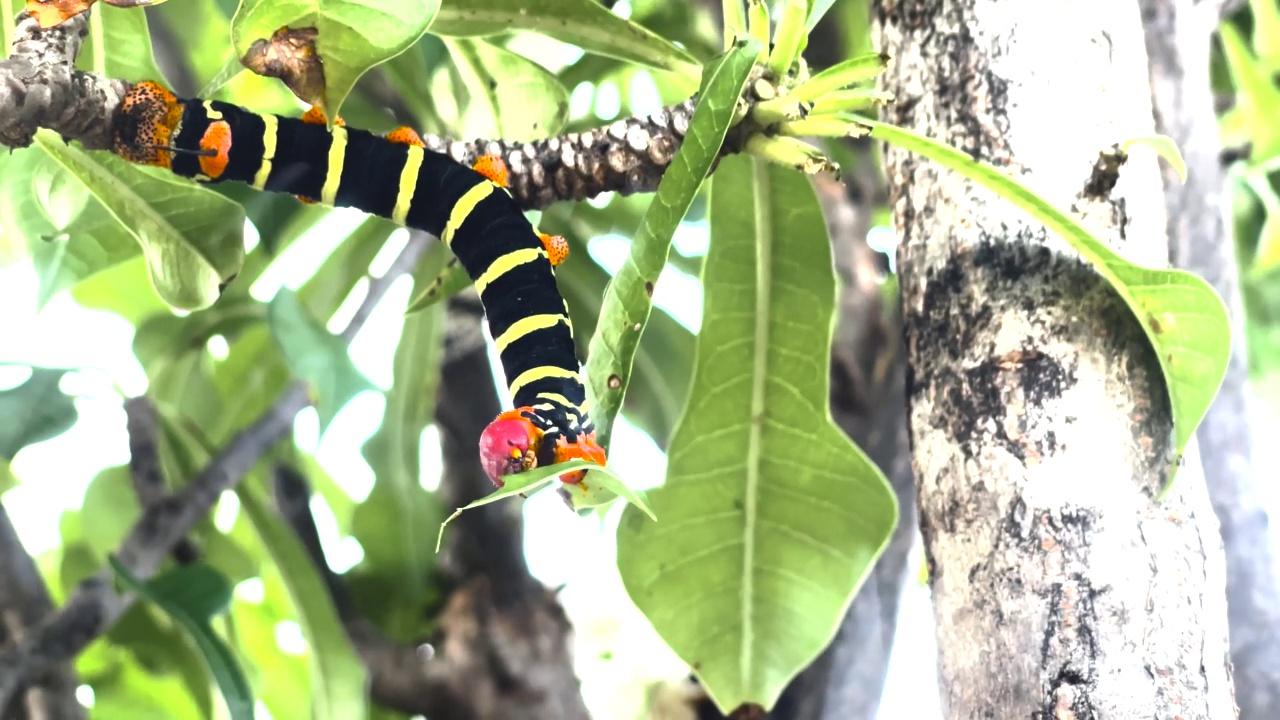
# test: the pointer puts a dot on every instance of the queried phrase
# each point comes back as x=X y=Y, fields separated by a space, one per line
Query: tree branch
x=1178 y=36
x=24 y=602
x=39 y=87
x=141 y=422
x=95 y=605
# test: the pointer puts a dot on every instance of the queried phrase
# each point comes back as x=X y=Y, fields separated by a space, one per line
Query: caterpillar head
x=509 y=445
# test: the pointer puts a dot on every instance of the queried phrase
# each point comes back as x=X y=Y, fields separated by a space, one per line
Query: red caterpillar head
x=509 y=445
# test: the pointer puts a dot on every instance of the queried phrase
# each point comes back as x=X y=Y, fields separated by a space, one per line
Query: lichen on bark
x=1039 y=419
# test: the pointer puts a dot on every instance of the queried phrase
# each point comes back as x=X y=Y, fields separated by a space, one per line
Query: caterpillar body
x=395 y=176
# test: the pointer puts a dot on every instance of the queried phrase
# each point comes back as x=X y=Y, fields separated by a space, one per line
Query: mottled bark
x=1038 y=417
x=1177 y=38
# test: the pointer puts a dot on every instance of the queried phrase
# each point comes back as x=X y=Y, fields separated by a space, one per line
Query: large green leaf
x=315 y=355
x=770 y=517
x=192 y=595
x=119 y=46
x=338 y=676
x=628 y=302
x=1182 y=315
x=35 y=411
x=395 y=523
x=585 y=23
x=352 y=35
x=192 y=237
x=49 y=219
x=502 y=94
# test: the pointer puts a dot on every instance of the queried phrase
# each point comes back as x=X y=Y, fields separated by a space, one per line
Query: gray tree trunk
x=1177 y=38
x=1039 y=422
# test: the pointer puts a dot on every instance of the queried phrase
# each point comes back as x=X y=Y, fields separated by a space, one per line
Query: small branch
x=404 y=263
x=40 y=87
x=142 y=424
x=24 y=602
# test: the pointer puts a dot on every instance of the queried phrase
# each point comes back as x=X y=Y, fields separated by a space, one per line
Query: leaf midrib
x=759 y=373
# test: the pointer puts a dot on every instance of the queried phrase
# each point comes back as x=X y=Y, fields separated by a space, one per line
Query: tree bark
x=1177 y=41
x=1038 y=416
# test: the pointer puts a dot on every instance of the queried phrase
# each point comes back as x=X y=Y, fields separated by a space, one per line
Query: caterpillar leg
x=585 y=448
x=315 y=116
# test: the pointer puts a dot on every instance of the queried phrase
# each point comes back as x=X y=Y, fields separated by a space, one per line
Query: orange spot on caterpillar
x=144 y=124
x=557 y=248
x=315 y=116
x=585 y=448
x=492 y=167
x=405 y=135
x=216 y=138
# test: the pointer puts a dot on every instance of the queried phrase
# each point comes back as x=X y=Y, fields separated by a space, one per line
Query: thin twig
x=142 y=423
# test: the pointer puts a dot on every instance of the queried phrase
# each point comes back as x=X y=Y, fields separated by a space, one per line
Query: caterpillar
x=395 y=176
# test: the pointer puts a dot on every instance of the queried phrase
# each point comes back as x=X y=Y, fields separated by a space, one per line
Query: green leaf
x=338 y=675
x=1165 y=147
x=1182 y=315
x=771 y=517
x=817 y=8
x=35 y=411
x=192 y=237
x=352 y=35
x=627 y=303
x=315 y=355
x=531 y=481
x=1257 y=97
x=8 y=480
x=192 y=595
x=504 y=95
x=119 y=46
x=585 y=23
x=109 y=510
x=49 y=219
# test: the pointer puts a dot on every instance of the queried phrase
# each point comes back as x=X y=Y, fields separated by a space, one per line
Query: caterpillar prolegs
x=395 y=176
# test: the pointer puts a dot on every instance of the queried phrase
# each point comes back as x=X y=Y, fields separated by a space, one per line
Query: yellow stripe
x=208 y=110
x=463 y=208
x=524 y=326
x=540 y=373
x=556 y=398
x=505 y=264
x=337 y=155
x=408 y=184
x=269 y=136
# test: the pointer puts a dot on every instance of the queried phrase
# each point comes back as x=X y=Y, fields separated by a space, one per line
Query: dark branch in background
x=24 y=602
x=1178 y=40
x=144 y=465
x=96 y=605
x=502 y=644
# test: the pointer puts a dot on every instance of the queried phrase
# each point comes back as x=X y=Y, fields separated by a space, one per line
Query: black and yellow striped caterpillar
x=397 y=177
